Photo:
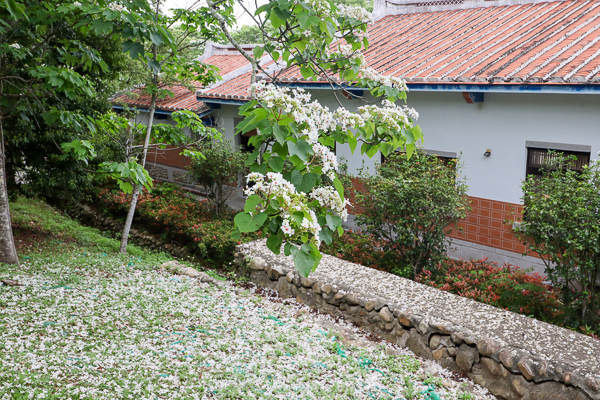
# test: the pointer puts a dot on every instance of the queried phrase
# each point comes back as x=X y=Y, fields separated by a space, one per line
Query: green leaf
x=287 y=249
x=262 y=8
x=154 y=66
x=303 y=20
x=259 y=168
x=236 y=234
x=303 y=182
x=333 y=221
x=276 y=164
x=274 y=204
x=125 y=186
x=301 y=149
x=385 y=149
x=258 y=52
x=352 y=142
x=251 y=158
x=134 y=49
x=243 y=109
x=298 y=216
x=306 y=259
x=276 y=22
x=102 y=27
x=251 y=203
x=274 y=242
x=331 y=29
x=281 y=150
x=325 y=235
x=410 y=148
x=274 y=225
x=15 y=9
x=327 y=141
x=306 y=72
x=372 y=151
x=279 y=134
x=339 y=187
x=250 y=223
x=157 y=38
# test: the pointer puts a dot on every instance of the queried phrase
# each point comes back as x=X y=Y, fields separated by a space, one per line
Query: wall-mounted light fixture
x=488 y=152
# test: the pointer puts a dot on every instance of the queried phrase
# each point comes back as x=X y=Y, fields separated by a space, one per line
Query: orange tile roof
x=536 y=43
x=183 y=98
x=555 y=42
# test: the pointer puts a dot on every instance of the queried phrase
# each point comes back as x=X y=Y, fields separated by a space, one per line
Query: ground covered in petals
x=92 y=325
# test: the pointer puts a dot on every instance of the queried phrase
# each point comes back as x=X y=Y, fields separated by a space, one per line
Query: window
x=538 y=155
x=242 y=139
x=247 y=147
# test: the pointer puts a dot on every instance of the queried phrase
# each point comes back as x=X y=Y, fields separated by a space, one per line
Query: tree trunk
x=8 y=252
x=136 y=191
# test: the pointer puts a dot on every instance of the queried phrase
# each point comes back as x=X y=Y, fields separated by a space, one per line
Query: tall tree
x=167 y=63
x=42 y=55
x=33 y=148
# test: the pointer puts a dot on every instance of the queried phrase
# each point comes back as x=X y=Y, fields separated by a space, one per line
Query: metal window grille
x=538 y=158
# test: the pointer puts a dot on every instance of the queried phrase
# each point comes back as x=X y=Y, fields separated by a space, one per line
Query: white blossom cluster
x=345 y=51
x=312 y=118
x=346 y=119
x=273 y=185
x=15 y=46
x=329 y=162
x=391 y=115
x=355 y=12
x=314 y=121
x=328 y=197
x=321 y=7
x=116 y=7
x=385 y=80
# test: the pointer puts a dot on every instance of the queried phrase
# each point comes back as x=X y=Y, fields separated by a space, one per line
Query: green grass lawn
x=89 y=323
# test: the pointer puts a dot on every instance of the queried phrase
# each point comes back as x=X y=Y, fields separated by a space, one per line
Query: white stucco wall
x=503 y=123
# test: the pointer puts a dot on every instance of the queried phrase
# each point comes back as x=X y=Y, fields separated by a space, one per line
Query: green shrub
x=411 y=204
x=216 y=167
x=562 y=224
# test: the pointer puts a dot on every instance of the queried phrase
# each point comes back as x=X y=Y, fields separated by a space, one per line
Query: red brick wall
x=357 y=186
x=168 y=157
x=485 y=224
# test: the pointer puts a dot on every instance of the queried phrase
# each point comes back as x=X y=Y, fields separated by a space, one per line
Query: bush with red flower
x=181 y=218
x=506 y=286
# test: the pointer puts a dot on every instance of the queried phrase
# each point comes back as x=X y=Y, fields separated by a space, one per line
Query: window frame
x=584 y=151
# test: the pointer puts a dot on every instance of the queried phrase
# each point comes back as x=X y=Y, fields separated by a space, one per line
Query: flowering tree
x=293 y=192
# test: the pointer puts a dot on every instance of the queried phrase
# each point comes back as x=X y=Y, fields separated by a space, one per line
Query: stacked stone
x=508 y=372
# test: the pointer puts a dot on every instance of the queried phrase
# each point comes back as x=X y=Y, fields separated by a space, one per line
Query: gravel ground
x=94 y=326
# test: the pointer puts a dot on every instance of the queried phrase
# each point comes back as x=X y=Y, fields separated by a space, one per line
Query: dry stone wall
x=513 y=356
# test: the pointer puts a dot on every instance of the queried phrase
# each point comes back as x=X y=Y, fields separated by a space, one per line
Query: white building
x=506 y=78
